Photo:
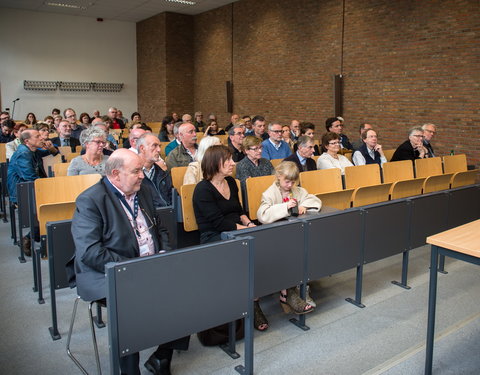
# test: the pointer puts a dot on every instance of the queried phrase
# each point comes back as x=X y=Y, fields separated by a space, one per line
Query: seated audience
x=253 y=165
x=93 y=161
x=188 y=118
x=429 y=131
x=258 y=128
x=120 y=116
x=135 y=117
x=362 y=129
x=308 y=129
x=71 y=117
x=294 y=130
x=12 y=146
x=335 y=125
x=412 y=148
x=217 y=206
x=247 y=120
x=148 y=147
x=236 y=135
x=275 y=147
x=331 y=158
x=213 y=129
x=303 y=156
x=199 y=124
x=184 y=154
x=287 y=136
x=56 y=121
x=371 y=152
x=30 y=119
x=115 y=122
x=175 y=116
x=107 y=122
x=64 y=136
x=233 y=120
x=55 y=112
x=105 y=229
x=85 y=120
x=96 y=113
x=166 y=133
x=281 y=200
x=175 y=142
x=193 y=174
x=7 y=131
x=49 y=120
x=4 y=116
x=45 y=142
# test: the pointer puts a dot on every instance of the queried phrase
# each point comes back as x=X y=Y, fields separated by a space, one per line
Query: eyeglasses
x=242 y=134
x=259 y=148
x=418 y=136
x=431 y=131
x=276 y=131
x=99 y=143
x=333 y=143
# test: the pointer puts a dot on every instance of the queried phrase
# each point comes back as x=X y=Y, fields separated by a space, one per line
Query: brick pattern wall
x=404 y=63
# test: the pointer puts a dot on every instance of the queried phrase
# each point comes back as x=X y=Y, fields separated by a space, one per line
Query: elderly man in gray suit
x=115 y=220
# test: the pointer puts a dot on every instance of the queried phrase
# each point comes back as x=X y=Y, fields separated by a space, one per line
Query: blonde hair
x=287 y=169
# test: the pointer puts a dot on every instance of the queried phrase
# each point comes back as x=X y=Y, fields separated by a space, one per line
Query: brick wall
x=404 y=63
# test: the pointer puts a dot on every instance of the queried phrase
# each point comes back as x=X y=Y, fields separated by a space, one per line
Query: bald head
x=187 y=134
x=134 y=135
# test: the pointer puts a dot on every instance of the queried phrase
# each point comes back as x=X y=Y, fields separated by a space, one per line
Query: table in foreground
x=462 y=243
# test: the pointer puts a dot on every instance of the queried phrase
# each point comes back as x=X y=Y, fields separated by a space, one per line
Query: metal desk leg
x=229 y=347
x=441 y=264
x=403 y=283
x=432 y=298
x=358 y=288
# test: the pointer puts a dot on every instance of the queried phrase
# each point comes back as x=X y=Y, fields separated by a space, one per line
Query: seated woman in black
x=217 y=206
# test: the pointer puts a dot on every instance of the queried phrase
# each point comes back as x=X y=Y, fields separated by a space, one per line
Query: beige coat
x=272 y=207
x=193 y=174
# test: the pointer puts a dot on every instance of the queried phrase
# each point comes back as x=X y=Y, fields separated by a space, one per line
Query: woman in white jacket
x=280 y=201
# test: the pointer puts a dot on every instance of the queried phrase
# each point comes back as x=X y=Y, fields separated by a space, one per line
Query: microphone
x=16 y=100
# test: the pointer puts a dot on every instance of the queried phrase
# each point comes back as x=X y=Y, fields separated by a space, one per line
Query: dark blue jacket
x=24 y=166
x=161 y=183
x=368 y=159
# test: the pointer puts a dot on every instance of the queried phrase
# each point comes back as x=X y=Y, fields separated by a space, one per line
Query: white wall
x=51 y=47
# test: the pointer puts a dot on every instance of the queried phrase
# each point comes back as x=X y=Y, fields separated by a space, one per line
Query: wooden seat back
x=3 y=153
x=65 y=150
x=341 y=199
x=464 y=178
x=177 y=174
x=255 y=188
x=366 y=195
x=275 y=162
x=406 y=188
x=437 y=183
x=163 y=145
x=50 y=161
x=223 y=138
x=60 y=169
x=428 y=167
x=70 y=156
x=389 y=153
x=362 y=175
x=454 y=163
x=397 y=171
x=321 y=181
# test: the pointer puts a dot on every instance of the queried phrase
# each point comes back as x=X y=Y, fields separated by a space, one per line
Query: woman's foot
x=291 y=302
x=260 y=322
x=308 y=298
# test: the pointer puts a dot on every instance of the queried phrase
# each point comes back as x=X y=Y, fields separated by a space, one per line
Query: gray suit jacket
x=102 y=233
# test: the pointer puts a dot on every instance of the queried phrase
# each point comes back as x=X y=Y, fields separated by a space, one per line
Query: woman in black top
x=166 y=131
x=217 y=206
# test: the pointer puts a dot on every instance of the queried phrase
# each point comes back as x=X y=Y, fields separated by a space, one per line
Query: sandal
x=308 y=298
x=260 y=322
x=291 y=302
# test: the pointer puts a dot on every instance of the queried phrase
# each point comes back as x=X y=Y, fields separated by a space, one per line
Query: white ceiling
x=120 y=10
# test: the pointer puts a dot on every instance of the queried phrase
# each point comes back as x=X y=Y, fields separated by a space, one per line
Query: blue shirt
x=271 y=151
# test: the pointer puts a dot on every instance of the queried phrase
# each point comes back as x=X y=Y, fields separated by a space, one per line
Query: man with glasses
x=71 y=117
x=429 y=131
x=335 y=125
x=114 y=221
x=412 y=148
x=236 y=134
x=303 y=156
x=247 y=120
x=65 y=136
x=275 y=147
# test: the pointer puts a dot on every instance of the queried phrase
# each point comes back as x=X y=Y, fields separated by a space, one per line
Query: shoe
x=308 y=298
x=291 y=302
x=260 y=322
x=26 y=245
x=158 y=366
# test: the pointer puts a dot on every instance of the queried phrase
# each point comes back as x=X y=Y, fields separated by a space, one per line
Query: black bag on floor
x=219 y=335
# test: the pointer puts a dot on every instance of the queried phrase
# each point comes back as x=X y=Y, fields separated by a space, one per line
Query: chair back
x=437 y=183
x=70 y=156
x=389 y=153
x=397 y=171
x=60 y=169
x=186 y=197
x=255 y=188
x=464 y=178
x=406 y=188
x=341 y=199
x=321 y=181
x=3 y=153
x=50 y=161
x=428 y=167
x=163 y=145
x=275 y=162
x=366 y=195
x=362 y=175
x=454 y=163
x=65 y=150
x=177 y=174
x=223 y=138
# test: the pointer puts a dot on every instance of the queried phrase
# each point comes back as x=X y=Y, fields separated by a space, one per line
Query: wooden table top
x=464 y=239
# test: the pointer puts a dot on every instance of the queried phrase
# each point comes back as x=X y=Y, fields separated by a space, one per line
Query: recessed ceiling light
x=186 y=2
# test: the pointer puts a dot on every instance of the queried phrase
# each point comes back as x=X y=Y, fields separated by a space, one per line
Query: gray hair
x=113 y=163
x=270 y=126
x=304 y=141
x=424 y=126
x=89 y=134
x=176 y=127
x=239 y=125
x=26 y=134
x=143 y=139
x=204 y=144
x=415 y=129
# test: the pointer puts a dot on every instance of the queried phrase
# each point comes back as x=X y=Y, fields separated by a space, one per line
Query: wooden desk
x=462 y=243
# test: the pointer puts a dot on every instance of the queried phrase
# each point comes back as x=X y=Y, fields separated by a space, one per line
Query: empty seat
x=397 y=171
